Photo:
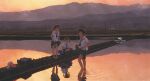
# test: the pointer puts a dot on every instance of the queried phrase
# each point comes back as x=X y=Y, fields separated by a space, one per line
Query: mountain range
x=96 y=18
x=72 y=10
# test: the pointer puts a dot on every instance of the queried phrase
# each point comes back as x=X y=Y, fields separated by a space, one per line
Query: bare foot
x=84 y=73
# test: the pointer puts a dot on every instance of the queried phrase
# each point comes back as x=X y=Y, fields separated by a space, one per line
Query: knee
x=84 y=60
x=79 y=59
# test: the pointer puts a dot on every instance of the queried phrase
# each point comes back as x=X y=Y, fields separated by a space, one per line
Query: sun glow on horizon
x=22 y=5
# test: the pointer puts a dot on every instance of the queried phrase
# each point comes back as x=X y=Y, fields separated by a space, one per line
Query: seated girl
x=66 y=46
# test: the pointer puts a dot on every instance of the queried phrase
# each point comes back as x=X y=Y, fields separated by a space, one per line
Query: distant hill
x=129 y=21
x=68 y=11
x=94 y=17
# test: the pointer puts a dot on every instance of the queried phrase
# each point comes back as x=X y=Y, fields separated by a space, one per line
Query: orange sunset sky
x=21 y=5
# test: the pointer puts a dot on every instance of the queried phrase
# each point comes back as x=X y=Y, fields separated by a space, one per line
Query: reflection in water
x=112 y=67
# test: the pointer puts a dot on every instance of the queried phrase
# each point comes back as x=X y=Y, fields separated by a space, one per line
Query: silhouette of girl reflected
x=54 y=76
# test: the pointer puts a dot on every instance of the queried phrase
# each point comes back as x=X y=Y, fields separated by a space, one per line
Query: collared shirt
x=55 y=36
x=83 y=43
x=66 y=45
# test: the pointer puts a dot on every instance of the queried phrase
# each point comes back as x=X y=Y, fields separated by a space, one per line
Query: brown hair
x=56 y=26
x=82 y=31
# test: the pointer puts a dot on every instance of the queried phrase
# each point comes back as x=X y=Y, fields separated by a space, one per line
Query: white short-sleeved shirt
x=66 y=45
x=83 y=43
x=55 y=36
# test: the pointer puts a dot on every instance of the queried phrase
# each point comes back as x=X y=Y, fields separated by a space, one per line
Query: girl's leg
x=80 y=75
x=56 y=69
x=80 y=62
x=84 y=67
x=53 y=51
x=56 y=52
x=81 y=70
x=53 y=70
x=63 y=70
